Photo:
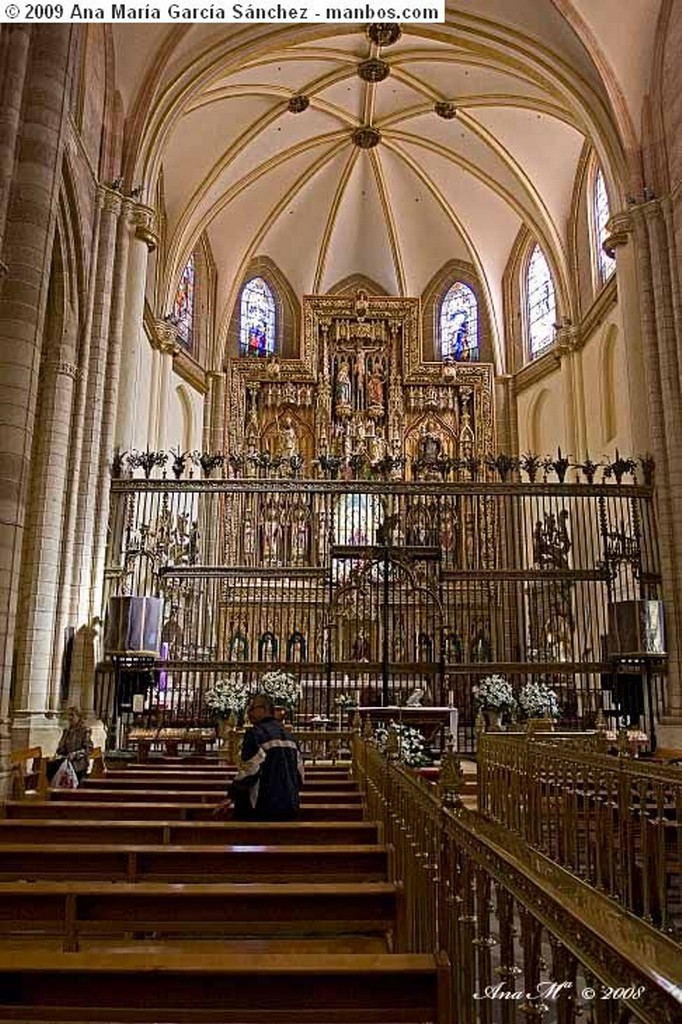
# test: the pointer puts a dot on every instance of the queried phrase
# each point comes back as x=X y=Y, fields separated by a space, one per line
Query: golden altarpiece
x=360 y=530
x=361 y=404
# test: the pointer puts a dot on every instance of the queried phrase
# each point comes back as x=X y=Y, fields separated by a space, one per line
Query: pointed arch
x=287 y=310
x=609 y=406
x=536 y=416
x=454 y=272
x=185 y=403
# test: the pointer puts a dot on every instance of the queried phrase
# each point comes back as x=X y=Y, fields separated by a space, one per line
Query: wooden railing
x=614 y=821
x=521 y=932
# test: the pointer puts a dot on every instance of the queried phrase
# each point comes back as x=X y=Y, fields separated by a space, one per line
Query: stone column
x=35 y=636
x=29 y=233
x=67 y=592
x=91 y=452
x=142 y=242
x=14 y=44
x=214 y=412
x=168 y=347
x=653 y=245
x=620 y=228
x=109 y=407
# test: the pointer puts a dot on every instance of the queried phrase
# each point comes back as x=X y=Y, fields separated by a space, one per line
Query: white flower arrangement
x=538 y=700
x=345 y=702
x=281 y=687
x=227 y=695
x=411 y=744
x=494 y=693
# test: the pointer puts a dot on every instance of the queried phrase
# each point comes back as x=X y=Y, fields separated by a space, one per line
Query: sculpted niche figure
x=375 y=394
x=342 y=392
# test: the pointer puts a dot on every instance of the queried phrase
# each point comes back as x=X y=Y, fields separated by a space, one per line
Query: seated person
x=75 y=745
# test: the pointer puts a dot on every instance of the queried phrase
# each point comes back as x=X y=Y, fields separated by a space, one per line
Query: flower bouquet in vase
x=411 y=747
x=283 y=689
x=494 y=697
x=225 y=702
x=539 y=706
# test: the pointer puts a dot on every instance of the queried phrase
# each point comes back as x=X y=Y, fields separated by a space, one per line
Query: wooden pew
x=74 y=908
x=187 y=796
x=28 y=777
x=213 y=782
x=84 y=832
x=243 y=863
x=131 y=811
x=216 y=989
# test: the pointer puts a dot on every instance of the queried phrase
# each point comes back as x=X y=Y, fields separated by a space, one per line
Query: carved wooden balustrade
x=612 y=820
x=526 y=938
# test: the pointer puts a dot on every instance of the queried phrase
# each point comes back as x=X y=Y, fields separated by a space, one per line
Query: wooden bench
x=130 y=811
x=217 y=989
x=74 y=908
x=166 y=863
x=183 y=833
x=28 y=769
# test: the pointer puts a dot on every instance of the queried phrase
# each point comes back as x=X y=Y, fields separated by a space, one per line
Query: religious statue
x=375 y=395
x=272 y=534
x=360 y=650
x=299 y=533
x=342 y=391
x=551 y=541
x=430 y=443
x=248 y=538
x=288 y=440
x=376 y=445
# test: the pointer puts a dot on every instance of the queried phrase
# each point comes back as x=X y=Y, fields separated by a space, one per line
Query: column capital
x=143 y=220
x=567 y=338
x=619 y=227
x=109 y=200
x=166 y=337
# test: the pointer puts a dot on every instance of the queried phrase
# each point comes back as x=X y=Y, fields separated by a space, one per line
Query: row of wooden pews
x=127 y=902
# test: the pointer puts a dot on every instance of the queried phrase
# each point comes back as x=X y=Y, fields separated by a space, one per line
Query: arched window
x=540 y=303
x=458 y=324
x=257 y=323
x=183 y=307
x=605 y=263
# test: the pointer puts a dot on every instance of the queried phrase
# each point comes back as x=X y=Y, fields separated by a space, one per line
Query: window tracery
x=605 y=264
x=540 y=303
x=183 y=306
x=257 y=319
x=458 y=324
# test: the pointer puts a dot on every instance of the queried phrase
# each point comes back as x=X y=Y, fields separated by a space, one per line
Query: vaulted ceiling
x=528 y=81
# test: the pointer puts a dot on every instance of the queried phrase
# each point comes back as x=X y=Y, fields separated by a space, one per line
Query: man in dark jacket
x=266 y=787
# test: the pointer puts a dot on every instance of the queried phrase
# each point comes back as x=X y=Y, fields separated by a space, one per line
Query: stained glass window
x=458 y=323
x=540 y=303
x=183 y=307
x=257 y=319
x=605 y=263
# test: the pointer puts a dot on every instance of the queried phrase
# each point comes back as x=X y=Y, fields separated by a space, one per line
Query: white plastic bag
x=65 y=777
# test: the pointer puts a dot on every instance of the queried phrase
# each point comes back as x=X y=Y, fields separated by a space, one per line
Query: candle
x=451 y=698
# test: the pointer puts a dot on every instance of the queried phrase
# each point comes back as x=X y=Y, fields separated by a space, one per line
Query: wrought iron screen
x=375 y=588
